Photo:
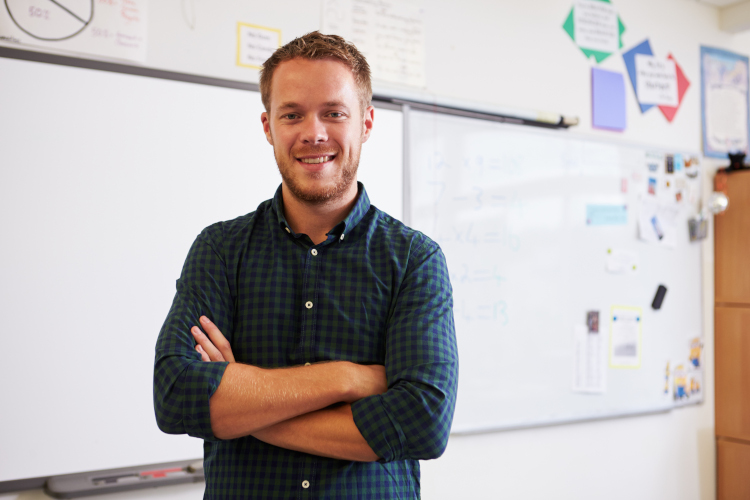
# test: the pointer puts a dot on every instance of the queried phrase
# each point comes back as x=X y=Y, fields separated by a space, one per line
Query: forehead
x=309 y=82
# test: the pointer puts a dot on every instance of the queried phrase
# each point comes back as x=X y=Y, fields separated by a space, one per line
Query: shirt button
x=308 y=304
x=314 y=252
x=307 y=364
x=342 y=236
x=287 y=230
x=305 y=484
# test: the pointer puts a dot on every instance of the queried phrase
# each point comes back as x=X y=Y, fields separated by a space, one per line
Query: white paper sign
x=390 y=33
x=625 y=333
x=589 y=375
x=109 y=28
x=255 y=44
x=596 y=26
x=656 y=80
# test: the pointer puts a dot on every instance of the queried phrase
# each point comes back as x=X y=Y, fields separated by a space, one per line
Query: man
x=311 y=343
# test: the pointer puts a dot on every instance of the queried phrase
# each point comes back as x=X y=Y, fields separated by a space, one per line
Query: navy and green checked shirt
x=375 y=292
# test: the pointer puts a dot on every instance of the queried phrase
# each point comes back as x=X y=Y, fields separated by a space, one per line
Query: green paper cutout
x=569 y=28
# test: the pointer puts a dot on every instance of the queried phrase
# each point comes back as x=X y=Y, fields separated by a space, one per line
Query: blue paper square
x=629 y=57
x=607 y=99
x=606 y=215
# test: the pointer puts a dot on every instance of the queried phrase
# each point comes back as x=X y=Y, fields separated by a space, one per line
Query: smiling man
x=311 y=342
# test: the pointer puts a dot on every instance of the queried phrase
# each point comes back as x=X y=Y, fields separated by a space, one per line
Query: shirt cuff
x=382 y=433
x=199 y=382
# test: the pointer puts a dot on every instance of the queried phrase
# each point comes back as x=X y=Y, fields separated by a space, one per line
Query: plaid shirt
x=374 y=292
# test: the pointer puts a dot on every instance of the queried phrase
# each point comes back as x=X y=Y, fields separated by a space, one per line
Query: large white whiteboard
x=508 y=206
x=106 y=181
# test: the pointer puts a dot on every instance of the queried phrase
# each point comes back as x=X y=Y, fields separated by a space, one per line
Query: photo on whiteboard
x=668 y=382
x=687 y=384
x=696 y=349
x=657 y=222
x=592 y=321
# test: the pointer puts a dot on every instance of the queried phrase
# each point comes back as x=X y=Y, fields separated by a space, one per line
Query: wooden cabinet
x=732 y=244
x=733 y=475
x=732 y=338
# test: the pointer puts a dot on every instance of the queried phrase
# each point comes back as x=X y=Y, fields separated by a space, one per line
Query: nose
x=313 y=131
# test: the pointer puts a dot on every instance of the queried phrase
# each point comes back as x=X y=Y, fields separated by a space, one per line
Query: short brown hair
x=314 y=46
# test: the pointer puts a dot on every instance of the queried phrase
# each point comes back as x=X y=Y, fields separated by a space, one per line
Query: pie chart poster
x=102 y=28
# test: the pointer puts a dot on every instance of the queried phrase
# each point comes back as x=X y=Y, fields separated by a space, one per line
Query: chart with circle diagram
x=104 y=28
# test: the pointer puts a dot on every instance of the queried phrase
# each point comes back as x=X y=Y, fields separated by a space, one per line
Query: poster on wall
x=657 y=82
x=115 y=29
x=724 y=102
x=595 y=27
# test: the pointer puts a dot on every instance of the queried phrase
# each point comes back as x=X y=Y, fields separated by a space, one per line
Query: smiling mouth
x=317 y=159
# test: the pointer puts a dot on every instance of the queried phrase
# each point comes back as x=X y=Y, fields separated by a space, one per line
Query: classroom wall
x=513 y=53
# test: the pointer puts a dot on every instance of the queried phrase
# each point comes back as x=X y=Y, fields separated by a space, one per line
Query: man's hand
x=215 y=346
x=366 y=379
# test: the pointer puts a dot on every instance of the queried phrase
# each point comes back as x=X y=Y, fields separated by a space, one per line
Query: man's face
x=317 y=128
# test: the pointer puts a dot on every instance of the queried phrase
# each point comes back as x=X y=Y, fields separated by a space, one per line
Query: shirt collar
x=360 y=208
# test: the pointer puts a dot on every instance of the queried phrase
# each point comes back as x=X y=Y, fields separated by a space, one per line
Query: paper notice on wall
x=625 y=337
x=596 y=26
x=620 y=261
x=391 y=35
x=255 y=44
x=725 y=102
x=108 y=28
x=656 y=80
x=590 y=360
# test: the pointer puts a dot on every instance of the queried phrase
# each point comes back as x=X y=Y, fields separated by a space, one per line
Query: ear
x=266 y=127
x=367 y=123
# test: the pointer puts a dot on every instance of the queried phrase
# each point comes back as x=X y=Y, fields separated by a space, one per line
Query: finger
x=204 y=356
x=211 y=350
x=217 y=338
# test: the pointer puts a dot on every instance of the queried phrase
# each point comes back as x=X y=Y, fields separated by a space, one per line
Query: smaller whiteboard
x=515 y=211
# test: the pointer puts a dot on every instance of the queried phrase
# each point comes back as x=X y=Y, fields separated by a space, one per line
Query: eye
x=289 y=116
x=336 y=114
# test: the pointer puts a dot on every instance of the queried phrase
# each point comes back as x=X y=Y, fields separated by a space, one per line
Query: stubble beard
x=346 y=175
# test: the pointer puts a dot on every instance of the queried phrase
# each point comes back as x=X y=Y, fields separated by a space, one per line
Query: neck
x=316 y=220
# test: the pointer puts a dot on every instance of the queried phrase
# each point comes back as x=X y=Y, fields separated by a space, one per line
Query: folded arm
x=223 y=399
x=249 y=398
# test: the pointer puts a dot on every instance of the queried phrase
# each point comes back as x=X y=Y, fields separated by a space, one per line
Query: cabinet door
x=732 y=464
x=732 y=243
x=732 y=362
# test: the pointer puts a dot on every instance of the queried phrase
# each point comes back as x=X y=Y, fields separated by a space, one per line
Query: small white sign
x=255 y=44
x=595 y=26
x=656 y=80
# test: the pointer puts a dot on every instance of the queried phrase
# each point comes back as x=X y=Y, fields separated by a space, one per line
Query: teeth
x=320 y=159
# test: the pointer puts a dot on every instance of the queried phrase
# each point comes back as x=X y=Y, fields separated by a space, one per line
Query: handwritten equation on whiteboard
x=390 y=33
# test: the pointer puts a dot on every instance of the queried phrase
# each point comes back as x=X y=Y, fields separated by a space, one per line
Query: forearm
x=329 y=432
x=250 y=398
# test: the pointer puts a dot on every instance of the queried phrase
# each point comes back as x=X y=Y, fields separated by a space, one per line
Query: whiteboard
x=508 y=206
x=106 y=181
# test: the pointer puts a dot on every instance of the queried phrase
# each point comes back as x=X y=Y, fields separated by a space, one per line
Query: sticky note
x=607 y=99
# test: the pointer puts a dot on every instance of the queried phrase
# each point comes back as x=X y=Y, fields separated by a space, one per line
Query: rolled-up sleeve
x=183 y=384
x=412 y=419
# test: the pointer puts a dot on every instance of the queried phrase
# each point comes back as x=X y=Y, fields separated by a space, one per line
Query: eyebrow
x=329 y=104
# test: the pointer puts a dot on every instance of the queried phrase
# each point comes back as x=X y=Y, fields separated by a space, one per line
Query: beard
x=318 y=194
